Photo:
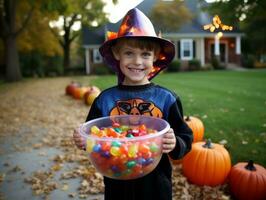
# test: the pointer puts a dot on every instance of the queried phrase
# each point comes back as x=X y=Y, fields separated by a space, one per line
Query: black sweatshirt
x=152 y=100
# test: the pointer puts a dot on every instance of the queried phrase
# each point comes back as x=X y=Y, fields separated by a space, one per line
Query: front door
x=222 y=52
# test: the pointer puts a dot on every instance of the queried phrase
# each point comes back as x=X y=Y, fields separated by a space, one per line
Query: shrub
x=216 y=64
x=32 y=64
x=248 y=61
x=102 y=70
x=174 y=66
x=53 y=66
x=194 y=64
x=36 y=64
x=207 y=67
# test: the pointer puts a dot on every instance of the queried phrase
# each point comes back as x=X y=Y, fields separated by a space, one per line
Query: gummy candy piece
x=123 y=134
x=101 y=133
x=147 y=155
x=106 y=146
x=135 y=132
x=130 y=135
x=131 y=164
x=128 y=172
x=124 y=149
x=105 y=154
x=154 y=147
x=123 y=158
x=143 y=148
x=142 y=127
x=141 y=161
x=132 y=151
x=115 y=151
x=89 y=145
x=97 y=148
x=115 y=168
x=116 y=144
x=95 y=130
x=111 y=133
x=124 y=127
x=118 y=130
x=116 y=125
x=149 y=161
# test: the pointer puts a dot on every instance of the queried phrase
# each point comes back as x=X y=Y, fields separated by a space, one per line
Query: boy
x=137 y=55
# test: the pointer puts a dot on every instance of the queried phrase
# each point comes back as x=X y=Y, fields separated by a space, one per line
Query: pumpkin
x=207 y=164
x=71 y=87
x=79 y=92
x=247 y=181
x=196 y=126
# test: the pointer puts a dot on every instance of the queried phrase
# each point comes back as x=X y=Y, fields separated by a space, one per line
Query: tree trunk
x=66 y=56
x=13 y=72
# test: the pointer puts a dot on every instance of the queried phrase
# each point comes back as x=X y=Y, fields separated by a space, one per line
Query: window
x=97 y=58
x=186 y=49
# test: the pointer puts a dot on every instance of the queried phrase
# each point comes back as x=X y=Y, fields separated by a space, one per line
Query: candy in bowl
x=124 y=146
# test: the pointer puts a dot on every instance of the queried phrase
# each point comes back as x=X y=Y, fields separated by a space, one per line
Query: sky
x=116 y=12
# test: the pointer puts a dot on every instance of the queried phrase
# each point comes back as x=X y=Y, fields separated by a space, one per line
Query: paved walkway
x=35 y=116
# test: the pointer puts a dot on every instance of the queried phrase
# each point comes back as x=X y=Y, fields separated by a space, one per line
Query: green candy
x=116 y=144
x=124 y=128
x=131 y=164
x=118 y=130
x=130 y=136
x=154 y=147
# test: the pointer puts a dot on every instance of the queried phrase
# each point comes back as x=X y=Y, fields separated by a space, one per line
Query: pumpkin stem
x=187 y=118
x=208 y=144
x=250 y=166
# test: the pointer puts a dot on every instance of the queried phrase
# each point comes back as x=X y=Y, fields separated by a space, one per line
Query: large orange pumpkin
x=207 y=164
x=196 y=126
x=247 y=181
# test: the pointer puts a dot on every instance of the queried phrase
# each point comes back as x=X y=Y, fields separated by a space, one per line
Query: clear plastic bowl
x=125 y=158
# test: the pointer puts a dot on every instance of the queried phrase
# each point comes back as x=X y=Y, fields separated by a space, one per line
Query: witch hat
x=136 y=24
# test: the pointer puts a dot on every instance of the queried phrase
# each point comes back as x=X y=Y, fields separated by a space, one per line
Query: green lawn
x=232 y=106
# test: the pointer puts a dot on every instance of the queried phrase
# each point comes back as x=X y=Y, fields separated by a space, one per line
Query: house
x=191 y=40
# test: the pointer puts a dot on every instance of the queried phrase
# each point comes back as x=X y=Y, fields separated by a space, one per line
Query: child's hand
x=78 y=140
x=169 y=141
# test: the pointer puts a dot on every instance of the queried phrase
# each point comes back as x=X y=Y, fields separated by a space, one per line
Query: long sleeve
x=184 y=136
x=94 y=112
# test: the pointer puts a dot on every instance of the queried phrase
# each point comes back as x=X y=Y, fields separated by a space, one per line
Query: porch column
x=217 y=46
x=238 y=45
x=87 y=60
x=202 y=52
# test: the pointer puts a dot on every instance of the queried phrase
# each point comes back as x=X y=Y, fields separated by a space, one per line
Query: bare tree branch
x=26 y=21
x=74 y=36
x=58 y=37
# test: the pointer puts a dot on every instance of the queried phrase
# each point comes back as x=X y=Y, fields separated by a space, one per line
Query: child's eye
x=128 y=53
x=146 y=54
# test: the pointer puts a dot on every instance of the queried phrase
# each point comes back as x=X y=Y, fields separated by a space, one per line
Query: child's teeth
x=136 y=70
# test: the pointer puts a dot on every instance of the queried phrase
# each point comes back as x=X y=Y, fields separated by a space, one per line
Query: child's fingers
x=168 y=147
x=78 y=139
x=76 y=133
x=169 y=141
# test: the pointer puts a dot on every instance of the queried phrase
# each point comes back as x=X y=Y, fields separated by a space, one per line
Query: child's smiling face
x=135 y=64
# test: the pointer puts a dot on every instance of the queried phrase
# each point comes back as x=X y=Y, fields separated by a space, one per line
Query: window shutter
x=194 y=49
x=179 y=50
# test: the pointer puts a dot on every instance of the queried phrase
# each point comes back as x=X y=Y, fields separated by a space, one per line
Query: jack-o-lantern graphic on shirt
x=136 y=107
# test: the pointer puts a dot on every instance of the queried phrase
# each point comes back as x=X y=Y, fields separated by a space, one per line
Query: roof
x=193 y=28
